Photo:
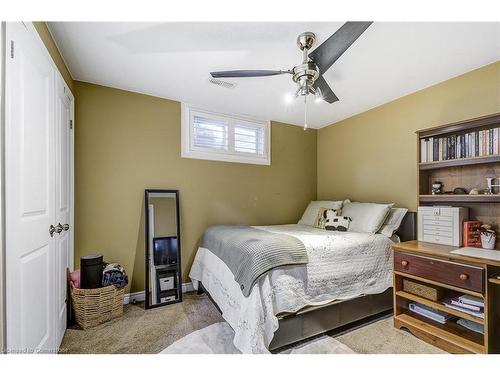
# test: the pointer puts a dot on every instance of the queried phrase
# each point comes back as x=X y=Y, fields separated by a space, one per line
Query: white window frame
x=188 y=150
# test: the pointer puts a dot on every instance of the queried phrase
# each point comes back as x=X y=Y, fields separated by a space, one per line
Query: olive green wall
x=128 y=142
x=372 y=156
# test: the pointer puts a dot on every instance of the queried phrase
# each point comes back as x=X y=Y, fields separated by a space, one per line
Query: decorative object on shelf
x=436 y=187
x=471 y=234
x=490 y=181
x=431 y=292
x=474 y=191
x=459 y=190
x=488 y=237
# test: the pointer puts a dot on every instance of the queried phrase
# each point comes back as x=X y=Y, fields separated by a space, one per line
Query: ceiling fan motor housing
x=305 y=75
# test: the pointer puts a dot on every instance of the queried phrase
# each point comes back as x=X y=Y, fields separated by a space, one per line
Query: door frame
x=3 y=287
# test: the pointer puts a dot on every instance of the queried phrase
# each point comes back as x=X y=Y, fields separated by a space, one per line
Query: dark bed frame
x=314 y=320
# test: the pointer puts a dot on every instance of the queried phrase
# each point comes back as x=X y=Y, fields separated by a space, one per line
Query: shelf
x=459 y=162
x=481 y=198
x=461 y=126
x=450 y=331
x=166 y=267
x=494 y=280
x=438 y=306
x=428 y=281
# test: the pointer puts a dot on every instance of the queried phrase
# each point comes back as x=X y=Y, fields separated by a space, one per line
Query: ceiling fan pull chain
x=305 y=112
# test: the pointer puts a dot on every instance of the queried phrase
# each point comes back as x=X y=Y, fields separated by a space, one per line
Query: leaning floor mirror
x=163 y=248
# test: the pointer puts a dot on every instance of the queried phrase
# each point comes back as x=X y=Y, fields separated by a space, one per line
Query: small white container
x=167 y=283
x=488 y=240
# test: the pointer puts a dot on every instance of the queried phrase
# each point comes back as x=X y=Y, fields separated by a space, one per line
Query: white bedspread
x=342 y=265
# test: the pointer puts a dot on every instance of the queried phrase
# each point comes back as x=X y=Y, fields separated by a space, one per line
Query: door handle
x=65 y=227
x=52 y=229
x=58 y=228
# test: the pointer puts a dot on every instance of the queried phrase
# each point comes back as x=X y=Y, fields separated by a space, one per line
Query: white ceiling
x=173 y=60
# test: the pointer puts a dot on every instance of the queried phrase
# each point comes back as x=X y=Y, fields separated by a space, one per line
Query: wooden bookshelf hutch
x=435 y=265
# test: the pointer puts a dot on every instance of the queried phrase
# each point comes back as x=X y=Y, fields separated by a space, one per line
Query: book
x=495 y=141
x=473 y=326
x=471 y=234
x=448 y=303
x=456 y=302
x=422 y=151
x=476 y=144
x=471 y=300
x=435 y=149
x=480 y=145
x=490 y=142
x=466 y=145
x=440 y=151
x=430 y=313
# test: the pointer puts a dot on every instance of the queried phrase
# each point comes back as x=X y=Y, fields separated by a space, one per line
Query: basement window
x=223 y=137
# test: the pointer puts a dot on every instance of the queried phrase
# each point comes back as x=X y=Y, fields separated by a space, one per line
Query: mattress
x=342 y=265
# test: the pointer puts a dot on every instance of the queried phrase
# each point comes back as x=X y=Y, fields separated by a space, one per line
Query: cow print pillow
x=323 y=215
x=340 y=223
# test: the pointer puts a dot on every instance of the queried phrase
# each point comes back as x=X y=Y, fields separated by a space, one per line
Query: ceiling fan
x=309 y=74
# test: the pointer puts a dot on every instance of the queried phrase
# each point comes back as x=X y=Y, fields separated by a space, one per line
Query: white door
x=30 y=193
x=38 y=188
x=63 y=248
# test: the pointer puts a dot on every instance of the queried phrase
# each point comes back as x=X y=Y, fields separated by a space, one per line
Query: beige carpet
x=218 y=339
x=144 y=331
x=151 y=331
x=381 y=337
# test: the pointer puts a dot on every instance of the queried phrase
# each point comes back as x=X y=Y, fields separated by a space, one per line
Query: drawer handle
x=404 y=263
x=464 y=276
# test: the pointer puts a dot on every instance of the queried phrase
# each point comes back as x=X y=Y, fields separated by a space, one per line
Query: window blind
x=210 y=133
x=249 y=139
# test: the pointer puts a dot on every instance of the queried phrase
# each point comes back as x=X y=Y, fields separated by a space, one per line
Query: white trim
x=133 y=297
x=188 y=151
x=140 y=296
x=2 y=191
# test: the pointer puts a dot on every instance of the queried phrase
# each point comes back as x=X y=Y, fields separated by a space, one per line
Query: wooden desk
x=456 y=274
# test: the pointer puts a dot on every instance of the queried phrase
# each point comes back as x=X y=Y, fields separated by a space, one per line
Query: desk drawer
x=455 y=274
x=443 y=240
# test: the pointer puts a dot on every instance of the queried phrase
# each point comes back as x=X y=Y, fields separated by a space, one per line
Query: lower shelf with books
x=439 y=306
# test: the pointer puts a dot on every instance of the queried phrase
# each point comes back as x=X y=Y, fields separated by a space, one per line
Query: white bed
x=342 y=265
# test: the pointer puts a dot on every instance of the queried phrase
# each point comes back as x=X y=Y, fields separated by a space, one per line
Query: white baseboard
x=140 y=296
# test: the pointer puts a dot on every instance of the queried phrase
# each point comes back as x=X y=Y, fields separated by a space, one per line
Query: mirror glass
x=163 y=276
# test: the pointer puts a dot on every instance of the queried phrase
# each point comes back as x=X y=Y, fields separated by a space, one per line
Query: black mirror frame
x=146 y=249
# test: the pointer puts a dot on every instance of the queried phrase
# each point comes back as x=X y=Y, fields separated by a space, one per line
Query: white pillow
x=393 y=221
x=366 y=217
x=311 y=212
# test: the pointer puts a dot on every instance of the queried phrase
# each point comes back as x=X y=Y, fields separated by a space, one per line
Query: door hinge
x=11 y=49
x=71 y=124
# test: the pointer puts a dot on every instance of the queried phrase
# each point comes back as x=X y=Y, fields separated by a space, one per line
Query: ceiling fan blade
x=332 y=48
x=326 y=92
x=247 y=73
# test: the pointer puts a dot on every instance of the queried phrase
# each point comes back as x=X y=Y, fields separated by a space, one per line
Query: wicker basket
x=96 y=306
x=431 y=292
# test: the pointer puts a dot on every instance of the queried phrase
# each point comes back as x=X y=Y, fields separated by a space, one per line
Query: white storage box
x=442 y=225
x=167 y=283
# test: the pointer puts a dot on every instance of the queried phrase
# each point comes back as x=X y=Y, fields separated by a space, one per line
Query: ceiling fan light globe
x=288 y=98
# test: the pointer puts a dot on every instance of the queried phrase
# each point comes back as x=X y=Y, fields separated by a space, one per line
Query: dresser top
x=442 y=252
